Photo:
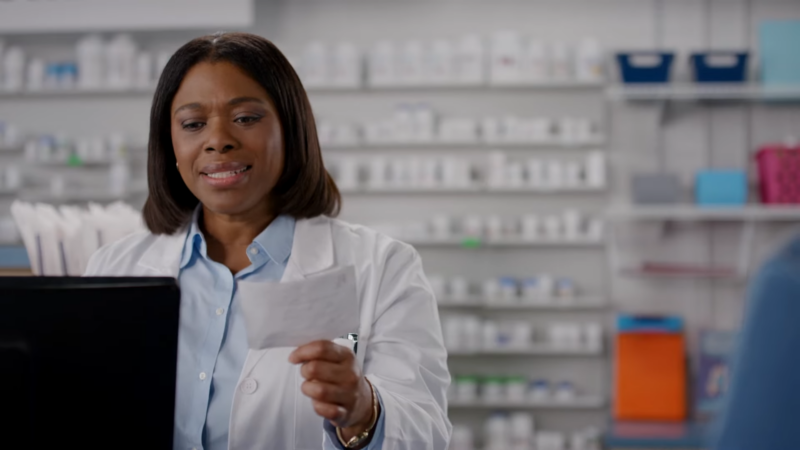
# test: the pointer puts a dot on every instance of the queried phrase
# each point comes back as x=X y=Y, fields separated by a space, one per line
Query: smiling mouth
x=223 y=175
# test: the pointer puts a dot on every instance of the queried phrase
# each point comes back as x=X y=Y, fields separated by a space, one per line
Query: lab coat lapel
x=312 y=249
x=164 y=255
x=312 y=252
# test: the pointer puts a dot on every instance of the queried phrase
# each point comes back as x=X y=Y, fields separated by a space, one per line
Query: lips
x=226 y=174
x=223 y=167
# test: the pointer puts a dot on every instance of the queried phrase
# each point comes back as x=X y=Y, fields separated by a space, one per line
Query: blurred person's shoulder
x=782 y=270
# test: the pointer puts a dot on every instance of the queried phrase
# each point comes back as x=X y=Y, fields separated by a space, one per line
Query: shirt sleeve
x=763 y=402
x=331 y=441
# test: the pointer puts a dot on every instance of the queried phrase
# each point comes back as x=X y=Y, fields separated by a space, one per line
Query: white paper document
x=294 y=313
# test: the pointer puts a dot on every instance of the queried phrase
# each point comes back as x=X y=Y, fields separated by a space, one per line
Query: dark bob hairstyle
x=304 y=189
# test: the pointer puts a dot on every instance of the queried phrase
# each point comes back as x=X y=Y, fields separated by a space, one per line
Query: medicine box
x=650 y=369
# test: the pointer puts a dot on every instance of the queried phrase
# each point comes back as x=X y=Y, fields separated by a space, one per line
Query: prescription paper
x=294 y=313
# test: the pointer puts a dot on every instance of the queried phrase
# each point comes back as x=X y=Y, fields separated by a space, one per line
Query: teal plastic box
x=779 y=41
x=721 y=187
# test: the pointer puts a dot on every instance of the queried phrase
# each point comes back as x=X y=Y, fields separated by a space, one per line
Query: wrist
x=371 y=412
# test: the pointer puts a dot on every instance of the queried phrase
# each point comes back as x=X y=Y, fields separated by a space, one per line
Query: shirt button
x=220 y=311
x=253 y=251
x=248 y=386
x=202 y=375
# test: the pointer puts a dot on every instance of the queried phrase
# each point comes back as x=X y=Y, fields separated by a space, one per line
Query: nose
x=220 y=138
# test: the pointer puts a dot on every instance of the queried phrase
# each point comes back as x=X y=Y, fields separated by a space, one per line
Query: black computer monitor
x=87 y=362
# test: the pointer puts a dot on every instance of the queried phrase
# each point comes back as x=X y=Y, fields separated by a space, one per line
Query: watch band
x=357 y=440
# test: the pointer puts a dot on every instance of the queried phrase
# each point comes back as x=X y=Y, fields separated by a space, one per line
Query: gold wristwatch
x=359 y=439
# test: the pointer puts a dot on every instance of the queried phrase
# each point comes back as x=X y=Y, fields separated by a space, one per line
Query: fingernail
x=342 y=412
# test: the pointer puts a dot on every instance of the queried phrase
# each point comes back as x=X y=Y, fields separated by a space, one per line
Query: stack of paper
x=61 y=240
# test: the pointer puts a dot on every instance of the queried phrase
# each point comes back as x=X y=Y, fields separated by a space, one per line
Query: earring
x=176 y=164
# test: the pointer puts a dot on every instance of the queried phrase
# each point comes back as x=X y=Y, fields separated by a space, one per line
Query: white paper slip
x=294 y=313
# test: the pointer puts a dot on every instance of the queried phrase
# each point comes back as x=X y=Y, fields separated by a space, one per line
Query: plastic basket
x=645 y=66
x=720 y=67
x=779 y=174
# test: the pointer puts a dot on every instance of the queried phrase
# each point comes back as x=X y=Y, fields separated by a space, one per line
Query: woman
x=238 y=191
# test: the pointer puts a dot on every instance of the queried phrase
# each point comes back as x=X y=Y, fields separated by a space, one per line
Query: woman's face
x=227 y=139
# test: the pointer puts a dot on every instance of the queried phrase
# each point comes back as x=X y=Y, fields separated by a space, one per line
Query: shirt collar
x=194 y=240
x=276 y=240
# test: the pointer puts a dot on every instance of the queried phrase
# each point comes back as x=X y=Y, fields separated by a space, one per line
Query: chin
x=228 y=204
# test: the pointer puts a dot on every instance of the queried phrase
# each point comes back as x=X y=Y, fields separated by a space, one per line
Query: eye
x=193 y=126
x=247 y=119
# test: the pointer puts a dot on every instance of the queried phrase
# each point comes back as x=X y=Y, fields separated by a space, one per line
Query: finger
x=324 y=350
x=334 y=413
x=328 y=393
x=328 y=372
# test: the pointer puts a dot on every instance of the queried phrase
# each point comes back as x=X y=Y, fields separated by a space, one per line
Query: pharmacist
x=238 y=191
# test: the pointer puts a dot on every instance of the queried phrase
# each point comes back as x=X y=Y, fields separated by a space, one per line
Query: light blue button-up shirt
x=212 y=341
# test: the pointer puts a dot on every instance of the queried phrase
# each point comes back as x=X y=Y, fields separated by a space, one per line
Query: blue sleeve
x=331 y=441
x=763 y=402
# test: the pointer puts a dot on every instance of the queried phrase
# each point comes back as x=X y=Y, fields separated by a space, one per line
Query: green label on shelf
x=74 y=161
x=471 y=242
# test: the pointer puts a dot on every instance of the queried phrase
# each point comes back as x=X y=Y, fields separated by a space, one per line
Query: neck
x=235 y=230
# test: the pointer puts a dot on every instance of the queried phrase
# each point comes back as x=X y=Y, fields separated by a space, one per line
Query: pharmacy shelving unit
x=361 y=90
x=596 y=142
x=469 y=243
x=749 y=217
x=472 y=190
x=78 y=93
x=535 y=361
x=532 y=350
x=540 y=86
x=579 y=402
x=704 y=92
x=579 y=303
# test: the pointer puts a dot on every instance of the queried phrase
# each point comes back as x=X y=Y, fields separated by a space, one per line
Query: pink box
x=779 y=174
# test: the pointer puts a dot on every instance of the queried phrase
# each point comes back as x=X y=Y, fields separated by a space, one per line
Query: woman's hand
x=334 y=382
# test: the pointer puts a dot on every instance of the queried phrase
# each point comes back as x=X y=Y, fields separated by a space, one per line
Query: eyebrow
x=232 y=102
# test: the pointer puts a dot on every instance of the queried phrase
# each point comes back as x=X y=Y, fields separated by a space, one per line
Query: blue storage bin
x=720 y=67
x=721 y=187
x=780 y=59
x=645 y=66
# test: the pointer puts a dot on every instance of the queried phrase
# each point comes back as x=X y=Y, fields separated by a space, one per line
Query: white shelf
x=580 y=402
x=505 y=243
x=756 y=213
x=471 y=190
x=77 y=197
x=542 y=86
x=554 y=144
x=83 y=16
x=642 y=274
x=78 y=93
x=577 y=303
x=534 y=350
x=696 y=92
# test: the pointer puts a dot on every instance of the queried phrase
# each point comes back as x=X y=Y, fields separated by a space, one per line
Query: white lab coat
x=400 y=343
